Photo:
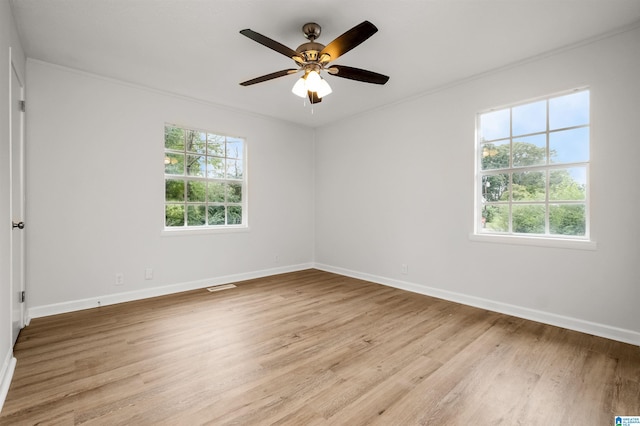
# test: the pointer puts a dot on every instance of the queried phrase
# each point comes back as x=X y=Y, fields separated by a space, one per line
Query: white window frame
x=206 y=228
x=510 y=237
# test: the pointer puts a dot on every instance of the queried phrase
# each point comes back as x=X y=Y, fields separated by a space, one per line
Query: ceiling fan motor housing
x=310 y=51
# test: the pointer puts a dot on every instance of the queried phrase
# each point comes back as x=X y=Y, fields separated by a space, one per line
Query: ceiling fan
x=312 y=58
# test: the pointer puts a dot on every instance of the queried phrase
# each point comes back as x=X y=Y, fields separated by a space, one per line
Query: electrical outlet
x=119 y=278
x=404 y=269
x=148 y=274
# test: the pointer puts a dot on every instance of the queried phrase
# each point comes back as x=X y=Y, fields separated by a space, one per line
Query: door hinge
x=22 y=296
x=22 y=105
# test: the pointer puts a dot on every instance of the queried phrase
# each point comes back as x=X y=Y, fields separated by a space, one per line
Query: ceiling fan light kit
x=312 y=58
x=311 y=82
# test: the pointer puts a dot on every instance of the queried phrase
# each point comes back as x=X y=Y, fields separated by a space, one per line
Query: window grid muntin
x=186 y=178
x=547 y=167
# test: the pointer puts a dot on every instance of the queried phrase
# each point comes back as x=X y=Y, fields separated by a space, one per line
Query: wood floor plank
x=313 y=348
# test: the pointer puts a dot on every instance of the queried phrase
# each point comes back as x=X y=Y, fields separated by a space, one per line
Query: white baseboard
x=6 y=374
x=602 y=330
x=110 y=299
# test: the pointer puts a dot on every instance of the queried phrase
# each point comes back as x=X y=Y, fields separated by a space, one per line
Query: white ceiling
x=193 y=47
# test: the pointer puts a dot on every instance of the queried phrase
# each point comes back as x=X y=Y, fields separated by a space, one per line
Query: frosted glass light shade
x=300 y=88
x=323 y=88
x=313 y=81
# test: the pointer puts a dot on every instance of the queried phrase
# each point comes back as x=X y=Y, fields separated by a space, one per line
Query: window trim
x=545 y=240
x=535 y=241
x=210 y=229
x=201 y=230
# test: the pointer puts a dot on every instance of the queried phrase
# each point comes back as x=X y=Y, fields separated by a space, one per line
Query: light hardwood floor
x=314 y=348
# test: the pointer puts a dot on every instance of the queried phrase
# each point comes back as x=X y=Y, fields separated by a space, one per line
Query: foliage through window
x=204 y=175
x=533 y=162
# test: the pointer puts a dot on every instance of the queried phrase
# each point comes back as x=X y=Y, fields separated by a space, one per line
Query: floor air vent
x=221 y=287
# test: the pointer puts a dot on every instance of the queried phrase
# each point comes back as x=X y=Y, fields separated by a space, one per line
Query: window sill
x=565 y=243
x=181 y=232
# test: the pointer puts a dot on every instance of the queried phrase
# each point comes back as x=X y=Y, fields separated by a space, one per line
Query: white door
x=17 y=206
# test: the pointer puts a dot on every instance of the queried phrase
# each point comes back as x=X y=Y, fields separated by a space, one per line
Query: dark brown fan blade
x=268 y=77
x=349 y=40
x=358 y=74
x=272 y=44
x=313 y=97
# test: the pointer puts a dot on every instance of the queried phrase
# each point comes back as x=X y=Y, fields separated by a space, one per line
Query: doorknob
x=19 y=225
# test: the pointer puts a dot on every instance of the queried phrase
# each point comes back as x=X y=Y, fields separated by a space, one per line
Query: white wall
x=10 y=50
x=395 y=186
x=96 y=192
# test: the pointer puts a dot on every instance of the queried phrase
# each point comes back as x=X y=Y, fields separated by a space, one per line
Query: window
x=205 y=179
x=533 y=163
